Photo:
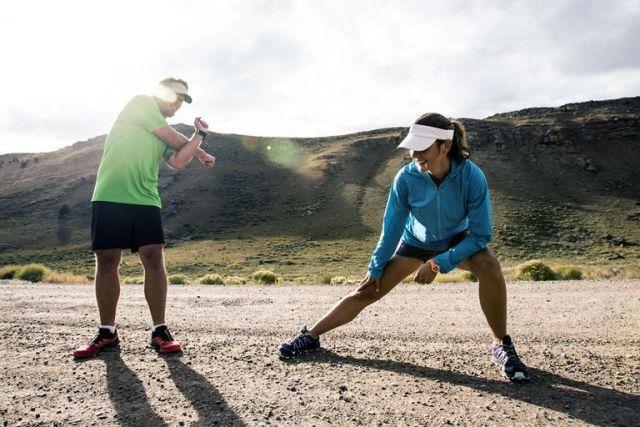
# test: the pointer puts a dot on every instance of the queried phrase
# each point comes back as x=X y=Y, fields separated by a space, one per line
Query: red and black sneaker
x=163 y=342
x=104 y=339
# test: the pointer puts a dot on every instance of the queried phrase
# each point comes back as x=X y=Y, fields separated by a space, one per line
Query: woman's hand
x=369 y=281
x=425 y=274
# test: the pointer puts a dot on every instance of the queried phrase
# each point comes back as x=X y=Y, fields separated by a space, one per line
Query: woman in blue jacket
x=438 y=217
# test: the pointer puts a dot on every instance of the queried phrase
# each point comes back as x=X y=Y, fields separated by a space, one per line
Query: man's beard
x=167 y=112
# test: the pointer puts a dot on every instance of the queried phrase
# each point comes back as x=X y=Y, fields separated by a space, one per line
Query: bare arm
x=175 y=139
x=186 y=147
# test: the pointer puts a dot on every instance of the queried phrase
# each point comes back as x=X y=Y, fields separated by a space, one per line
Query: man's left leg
x=155 y=292
x=493 y=300
x=155 y=280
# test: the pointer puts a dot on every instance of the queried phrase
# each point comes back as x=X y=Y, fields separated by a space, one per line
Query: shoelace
x=99 y=338
x=164 y=335
x=301 y=341
x=509 y=353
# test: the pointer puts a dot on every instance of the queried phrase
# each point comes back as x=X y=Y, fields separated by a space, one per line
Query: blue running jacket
x=427 y=216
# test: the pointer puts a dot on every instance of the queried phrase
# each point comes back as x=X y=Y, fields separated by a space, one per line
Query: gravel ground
x=418 y=357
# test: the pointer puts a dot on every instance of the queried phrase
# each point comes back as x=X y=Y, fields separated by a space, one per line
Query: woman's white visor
x=422 y=137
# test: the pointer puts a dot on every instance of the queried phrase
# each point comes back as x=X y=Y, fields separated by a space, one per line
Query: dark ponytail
x=459 y=147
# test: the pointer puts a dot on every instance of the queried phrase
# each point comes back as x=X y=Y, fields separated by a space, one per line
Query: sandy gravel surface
x=418 y=357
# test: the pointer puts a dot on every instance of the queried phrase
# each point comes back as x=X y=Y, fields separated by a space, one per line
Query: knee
x=485 y=264
x=152 y=257
x=108 y=261
x=366 y=296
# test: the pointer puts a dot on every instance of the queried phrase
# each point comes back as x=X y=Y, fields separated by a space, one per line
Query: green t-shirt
x=132 y=154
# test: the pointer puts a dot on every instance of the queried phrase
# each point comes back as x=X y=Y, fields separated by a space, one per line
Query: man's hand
x=206 y=159
x=200 y=124
x=369 y=281
x=424 y=274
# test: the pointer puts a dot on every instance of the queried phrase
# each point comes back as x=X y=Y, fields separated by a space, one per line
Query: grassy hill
x=564 y=183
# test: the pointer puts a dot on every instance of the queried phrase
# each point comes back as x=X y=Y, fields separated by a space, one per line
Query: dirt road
x=418 y=357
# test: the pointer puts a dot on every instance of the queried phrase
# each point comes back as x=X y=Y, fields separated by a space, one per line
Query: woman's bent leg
x=492 y=290
x=350 y=306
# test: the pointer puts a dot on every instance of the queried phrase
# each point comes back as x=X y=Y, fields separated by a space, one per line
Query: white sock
x=154 y=327
x=111 y=328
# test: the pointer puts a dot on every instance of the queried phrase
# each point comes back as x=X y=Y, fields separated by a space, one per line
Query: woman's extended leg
x=350 y=306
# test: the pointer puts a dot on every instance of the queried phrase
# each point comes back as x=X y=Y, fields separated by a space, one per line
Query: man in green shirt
x=125 y=207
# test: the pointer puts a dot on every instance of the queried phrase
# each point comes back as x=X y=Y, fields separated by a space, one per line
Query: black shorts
x=125 y=226
x=425 y=255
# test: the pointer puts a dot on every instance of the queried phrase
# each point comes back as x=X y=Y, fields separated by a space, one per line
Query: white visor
x=170 y=90
x=422 y=137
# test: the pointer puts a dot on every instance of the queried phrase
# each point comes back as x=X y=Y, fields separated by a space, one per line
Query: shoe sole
x=95 y=353
x=518 y=377
x=302 y=354
x=159 y=351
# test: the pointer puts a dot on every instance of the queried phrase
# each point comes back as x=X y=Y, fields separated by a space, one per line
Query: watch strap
x=434 y=267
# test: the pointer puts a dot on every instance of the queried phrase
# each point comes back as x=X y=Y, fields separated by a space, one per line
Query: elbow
x=177 y=165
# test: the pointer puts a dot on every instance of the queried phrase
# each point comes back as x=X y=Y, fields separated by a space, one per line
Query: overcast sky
x=305 y=68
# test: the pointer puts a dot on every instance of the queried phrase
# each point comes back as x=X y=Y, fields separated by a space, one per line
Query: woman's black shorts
x=125 y=226
x=425 y=255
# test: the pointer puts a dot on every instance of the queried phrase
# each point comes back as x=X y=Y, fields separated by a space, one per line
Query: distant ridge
x=564 y=180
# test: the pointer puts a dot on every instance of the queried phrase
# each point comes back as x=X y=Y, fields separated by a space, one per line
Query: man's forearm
x=192 y=147
x=200 y=152
x=179 y=140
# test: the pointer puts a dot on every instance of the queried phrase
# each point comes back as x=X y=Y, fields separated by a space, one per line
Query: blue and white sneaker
x=301 y=345
x=504 y=355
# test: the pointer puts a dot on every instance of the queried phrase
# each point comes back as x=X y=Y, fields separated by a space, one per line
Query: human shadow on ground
x=204 y=397
x=127 y=393
x=589 y=403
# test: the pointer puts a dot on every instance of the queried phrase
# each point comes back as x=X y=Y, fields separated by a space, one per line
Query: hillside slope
x=564 y=184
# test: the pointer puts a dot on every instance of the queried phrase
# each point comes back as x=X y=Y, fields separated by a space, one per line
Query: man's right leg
x=107 y=284
x=350 y=306
x=107 y=293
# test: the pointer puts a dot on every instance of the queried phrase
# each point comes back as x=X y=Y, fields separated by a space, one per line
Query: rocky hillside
x=564 y=184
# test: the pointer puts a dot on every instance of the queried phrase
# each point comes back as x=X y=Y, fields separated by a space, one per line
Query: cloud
x=299 y=68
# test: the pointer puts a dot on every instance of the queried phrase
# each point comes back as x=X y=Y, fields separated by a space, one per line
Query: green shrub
x=568 y=272
x=9 y=271
x=133 y=280
x=32 y=272
x=234 y=280
x=469 y=276
x=534 y=270
x=325 y=279
x=264 y=277
x=212 y=279
x=338 y=280
x=177 y=279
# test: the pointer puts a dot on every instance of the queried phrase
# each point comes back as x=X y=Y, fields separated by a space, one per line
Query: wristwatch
x=434 y=267
x=202 y=133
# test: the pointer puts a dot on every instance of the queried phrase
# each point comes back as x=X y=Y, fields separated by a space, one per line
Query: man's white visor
x=422 y=137
x=170 y=91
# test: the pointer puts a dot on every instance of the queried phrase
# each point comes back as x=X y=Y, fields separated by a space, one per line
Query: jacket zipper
x=438 y=187
x=439 y=214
